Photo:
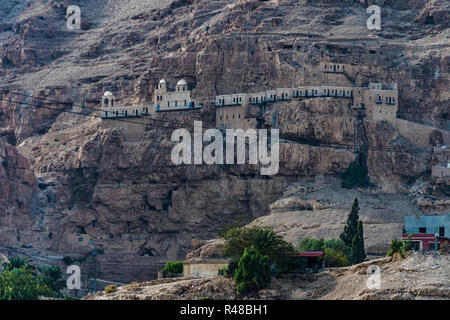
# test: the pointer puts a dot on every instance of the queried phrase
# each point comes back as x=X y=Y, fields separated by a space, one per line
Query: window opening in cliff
x=146 y=252
x=429 y=20
x=81 y=230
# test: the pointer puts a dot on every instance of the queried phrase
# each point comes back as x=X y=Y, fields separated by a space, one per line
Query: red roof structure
x=310 y=254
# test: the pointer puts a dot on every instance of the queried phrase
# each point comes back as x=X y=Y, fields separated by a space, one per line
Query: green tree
x=337 y=253
x=52 y=277
x=17 y=263
x=358 y=252
x=351 y=228
x=400 y=247
x=253 y=271
x=309 y=244
x=264 y=240
x=396 y=247
x=21 y=284
x=173 y=267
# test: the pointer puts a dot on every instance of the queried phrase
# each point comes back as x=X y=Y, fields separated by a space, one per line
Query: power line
x=77 y=105
x=94 y=115
x=299 y=140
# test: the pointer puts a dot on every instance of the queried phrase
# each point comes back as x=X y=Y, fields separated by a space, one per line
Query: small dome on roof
x=107 y=94
x=162 y=81
x=182 y=82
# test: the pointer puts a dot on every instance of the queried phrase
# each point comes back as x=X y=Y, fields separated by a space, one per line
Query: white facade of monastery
x=180 y=99
x=380 y=104
x=111 y=110
x=165 y=100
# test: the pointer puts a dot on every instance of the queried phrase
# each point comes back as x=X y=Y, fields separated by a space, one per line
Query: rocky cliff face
x=81 y=178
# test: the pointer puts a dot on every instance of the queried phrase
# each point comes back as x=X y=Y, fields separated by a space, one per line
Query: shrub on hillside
x=173 y=267
x=400 y=247
x=309 y=244
x=253 y=271
x=231 y=267
x=111 y=288
x=21 y=284
x=52 y=277
x=337 y=253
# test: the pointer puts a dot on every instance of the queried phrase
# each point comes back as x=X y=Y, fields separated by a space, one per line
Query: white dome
x=162 y=81
x=182 y=82
x=107 y=94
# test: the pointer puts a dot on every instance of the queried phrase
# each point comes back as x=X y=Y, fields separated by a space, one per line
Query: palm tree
x=52 y=277
x=17 y=263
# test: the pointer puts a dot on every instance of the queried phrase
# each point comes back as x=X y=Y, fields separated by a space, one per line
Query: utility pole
x=94 y=253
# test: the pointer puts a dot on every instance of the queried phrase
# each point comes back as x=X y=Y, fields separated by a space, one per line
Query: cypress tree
x=351 y=228
x=358 y=252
